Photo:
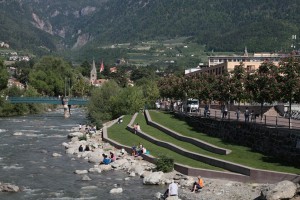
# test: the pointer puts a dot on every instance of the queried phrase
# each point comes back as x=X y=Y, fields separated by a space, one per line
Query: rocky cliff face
x=65 y=30
x=82 y=40
x=64 y=22
x=41 y=24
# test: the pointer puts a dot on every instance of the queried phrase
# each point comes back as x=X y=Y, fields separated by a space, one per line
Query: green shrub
x=82 y=137
x=164 y=164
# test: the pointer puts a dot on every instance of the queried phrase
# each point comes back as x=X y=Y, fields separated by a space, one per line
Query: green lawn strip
x=240 y=154
x=119 y=133
x=159 y=135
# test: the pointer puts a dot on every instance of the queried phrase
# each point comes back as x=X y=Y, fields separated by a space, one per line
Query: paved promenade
x=270 y=121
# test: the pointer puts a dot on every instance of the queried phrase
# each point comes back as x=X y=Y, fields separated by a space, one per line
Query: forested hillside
x=221 y=25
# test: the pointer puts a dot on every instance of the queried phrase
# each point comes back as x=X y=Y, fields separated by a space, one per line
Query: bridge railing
x=47 y=100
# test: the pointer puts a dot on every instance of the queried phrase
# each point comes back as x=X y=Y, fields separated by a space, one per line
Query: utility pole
x=65 y=87
x=293 y=45
x=69 y=87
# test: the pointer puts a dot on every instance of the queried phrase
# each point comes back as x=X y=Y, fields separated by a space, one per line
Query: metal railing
x=266 y=120
x=47 y=100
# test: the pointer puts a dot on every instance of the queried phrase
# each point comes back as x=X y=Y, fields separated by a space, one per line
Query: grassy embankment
x=119 y=133
x=240 y=154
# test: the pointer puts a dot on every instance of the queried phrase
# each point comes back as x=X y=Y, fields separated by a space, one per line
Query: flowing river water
x=26 y=148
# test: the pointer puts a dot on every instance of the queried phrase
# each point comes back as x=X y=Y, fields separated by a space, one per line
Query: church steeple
x=93 y=76
x=246 y=52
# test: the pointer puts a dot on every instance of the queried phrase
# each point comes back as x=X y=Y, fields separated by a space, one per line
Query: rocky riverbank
x=135 y=166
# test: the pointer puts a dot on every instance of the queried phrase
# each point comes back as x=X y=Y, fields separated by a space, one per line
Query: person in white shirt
x=173 y=189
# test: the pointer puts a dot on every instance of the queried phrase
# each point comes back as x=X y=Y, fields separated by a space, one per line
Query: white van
x=192 y=105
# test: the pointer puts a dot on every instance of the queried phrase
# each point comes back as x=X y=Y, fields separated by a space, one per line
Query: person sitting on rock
x=105 y=160
x=122 y=152
x=134 y=150
x=198 y=184
x=144 y=150
x=112 y=156
x=139 y=150
x=171 y=191
x=87 y=148
x=80 y=149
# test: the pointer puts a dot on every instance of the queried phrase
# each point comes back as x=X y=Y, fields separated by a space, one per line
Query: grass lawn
x=240 y=154
x=119 y=133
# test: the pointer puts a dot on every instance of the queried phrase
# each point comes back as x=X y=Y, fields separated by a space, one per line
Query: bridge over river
x=49 y=100
x=66 y=102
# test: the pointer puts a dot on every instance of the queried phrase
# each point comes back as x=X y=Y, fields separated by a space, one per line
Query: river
x=26 y=148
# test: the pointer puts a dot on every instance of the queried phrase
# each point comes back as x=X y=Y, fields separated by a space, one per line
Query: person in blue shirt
x=105 y=160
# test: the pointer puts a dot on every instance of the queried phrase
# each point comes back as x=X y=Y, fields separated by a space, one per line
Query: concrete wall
x=281 y=143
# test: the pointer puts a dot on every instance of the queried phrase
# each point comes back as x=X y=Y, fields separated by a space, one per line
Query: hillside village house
x=99 y=82
x=4 y=45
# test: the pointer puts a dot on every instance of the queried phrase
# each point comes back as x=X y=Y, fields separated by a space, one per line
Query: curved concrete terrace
x=178 y=136
x=248 y=175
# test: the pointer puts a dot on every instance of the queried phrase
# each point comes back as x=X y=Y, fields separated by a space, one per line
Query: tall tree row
x=267 y=84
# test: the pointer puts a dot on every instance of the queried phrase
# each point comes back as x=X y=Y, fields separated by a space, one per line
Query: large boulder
x=81 y=172
x=138 y=169
x=86 y=178
x=146 y=173
x=85 y=154
x=66 y=145
x=157 y=195
x=56 y=155
x=6 y=187
x=75 y=134
x=187 y=182
x=95 y=170
x=105 y=167
x=72 y=151
x=116 y=190
x=154 y=178
x=95 y=156
x=282 y=190
x=119 y=163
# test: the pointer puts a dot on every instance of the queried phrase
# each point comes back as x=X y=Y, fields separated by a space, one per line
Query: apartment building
x=220 y=64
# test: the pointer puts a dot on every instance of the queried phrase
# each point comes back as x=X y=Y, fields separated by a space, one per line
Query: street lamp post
x=65 y=86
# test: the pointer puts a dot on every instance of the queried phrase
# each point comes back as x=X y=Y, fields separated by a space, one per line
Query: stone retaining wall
x=270 y=141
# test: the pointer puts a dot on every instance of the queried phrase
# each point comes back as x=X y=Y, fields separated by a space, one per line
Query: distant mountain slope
x=223 y=25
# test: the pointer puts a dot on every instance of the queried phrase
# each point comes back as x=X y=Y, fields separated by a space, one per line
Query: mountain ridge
x=226 y=25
